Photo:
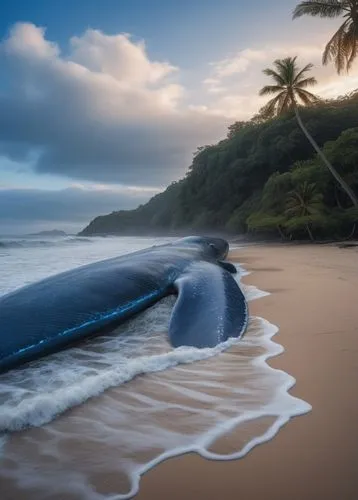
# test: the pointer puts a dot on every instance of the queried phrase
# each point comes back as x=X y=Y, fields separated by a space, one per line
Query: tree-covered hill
x=264 y=176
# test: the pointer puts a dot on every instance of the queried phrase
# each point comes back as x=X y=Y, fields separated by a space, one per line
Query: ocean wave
x=42 y=408
x=35 y=243
x=48 y=387
x=80 y=373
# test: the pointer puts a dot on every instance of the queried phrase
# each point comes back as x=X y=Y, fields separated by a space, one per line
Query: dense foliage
x=264 y=176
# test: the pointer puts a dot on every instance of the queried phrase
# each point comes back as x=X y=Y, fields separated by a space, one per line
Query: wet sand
x=314 y=301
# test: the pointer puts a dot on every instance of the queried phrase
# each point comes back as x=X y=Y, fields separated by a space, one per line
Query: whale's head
x=217 y=247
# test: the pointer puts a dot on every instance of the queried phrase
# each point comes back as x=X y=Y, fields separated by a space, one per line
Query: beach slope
x=314 y=302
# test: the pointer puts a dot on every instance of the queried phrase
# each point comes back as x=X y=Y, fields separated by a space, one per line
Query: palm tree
x=305 y=204
x=343 y=46
x=290 y=84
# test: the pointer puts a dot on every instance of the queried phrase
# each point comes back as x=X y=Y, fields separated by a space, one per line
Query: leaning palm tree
x=343 y=46
x=290 y=87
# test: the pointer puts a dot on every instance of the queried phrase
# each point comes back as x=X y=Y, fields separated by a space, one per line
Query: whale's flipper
x=228 y=266
x=210 y=307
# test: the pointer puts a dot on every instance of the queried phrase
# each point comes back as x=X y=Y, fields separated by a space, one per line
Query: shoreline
x=239 y=240
x=313 y=456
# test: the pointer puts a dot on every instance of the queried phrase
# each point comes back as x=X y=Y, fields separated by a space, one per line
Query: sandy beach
x=314 y=302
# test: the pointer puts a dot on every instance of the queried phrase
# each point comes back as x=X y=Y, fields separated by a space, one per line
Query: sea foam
x=145 y=402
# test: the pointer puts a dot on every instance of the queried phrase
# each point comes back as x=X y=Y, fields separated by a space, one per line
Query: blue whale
x=49 y=315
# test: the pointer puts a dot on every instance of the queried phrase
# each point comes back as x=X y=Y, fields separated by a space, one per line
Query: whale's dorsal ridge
x=210 y=307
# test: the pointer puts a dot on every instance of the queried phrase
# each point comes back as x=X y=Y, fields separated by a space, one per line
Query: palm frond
x=287 y=68
x=269 y=109
x=341 y=53
x=307 y=82
x=304 y=200
x=304 y=70
x=352 y=56
x=342 y=48
x=303 y=97
x=276 y=76
x=319 y=8
x=270 y=89
x=350 y=42
x=307 y=97
x=286 y=103
x=335 y=50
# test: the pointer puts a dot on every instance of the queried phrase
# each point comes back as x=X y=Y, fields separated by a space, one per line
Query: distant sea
x=98 y=415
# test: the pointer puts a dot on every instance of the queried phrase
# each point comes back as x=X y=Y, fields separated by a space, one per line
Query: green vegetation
x=154 y=217
x=290 y=87
x=263 y=178
x=306 y=200
x=342 y=48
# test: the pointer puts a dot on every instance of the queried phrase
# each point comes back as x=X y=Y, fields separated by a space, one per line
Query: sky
x=103 y=103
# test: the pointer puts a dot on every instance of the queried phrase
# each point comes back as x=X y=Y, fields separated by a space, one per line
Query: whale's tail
x=210 y=307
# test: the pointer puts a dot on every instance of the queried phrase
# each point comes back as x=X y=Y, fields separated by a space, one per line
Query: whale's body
x=48 y=315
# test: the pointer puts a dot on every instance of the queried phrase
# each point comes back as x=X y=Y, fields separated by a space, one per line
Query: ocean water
x=86 y=423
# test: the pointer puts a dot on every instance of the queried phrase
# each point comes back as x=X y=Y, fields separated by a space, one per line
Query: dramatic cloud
x=27 y=210
x=105 y=112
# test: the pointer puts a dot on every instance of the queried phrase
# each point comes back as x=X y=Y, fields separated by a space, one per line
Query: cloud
x=118 y=57
x=238 y=63
x=104 y=112
x=214 y=86
x=26 y=210
x=235 y=81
